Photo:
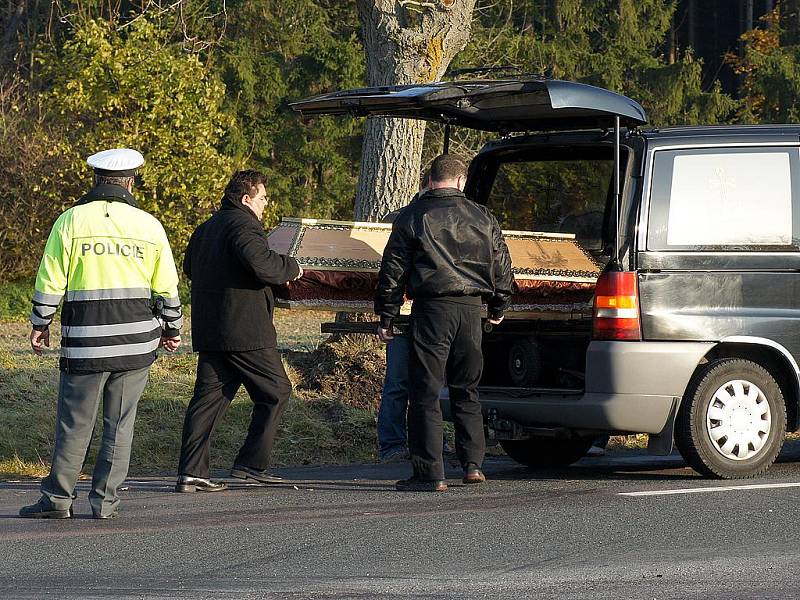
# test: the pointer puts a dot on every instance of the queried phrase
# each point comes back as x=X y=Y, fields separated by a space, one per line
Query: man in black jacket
x=446 y=253
x=232 y=270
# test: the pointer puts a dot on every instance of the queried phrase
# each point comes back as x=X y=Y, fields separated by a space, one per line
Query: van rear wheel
x=547 y=451
x=732 y=420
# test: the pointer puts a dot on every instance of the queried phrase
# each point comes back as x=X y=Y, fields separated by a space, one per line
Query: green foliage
x=33 y=179
x=538 y=196
x=770 y=73
x=615 y=44
x=134 y=88
x=277 y=52
x=103 y=88
x=15 y=300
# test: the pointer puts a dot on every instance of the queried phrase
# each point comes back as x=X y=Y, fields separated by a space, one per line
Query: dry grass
x=317 y=427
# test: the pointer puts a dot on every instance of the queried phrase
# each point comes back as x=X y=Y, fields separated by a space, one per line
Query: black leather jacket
x=444 y=245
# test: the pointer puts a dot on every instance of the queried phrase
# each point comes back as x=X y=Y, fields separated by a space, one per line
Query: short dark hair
x=112 y=180
x=447 y=166
x=244 y=182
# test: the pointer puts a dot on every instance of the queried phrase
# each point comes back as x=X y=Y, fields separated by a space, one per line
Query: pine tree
x=616 y=44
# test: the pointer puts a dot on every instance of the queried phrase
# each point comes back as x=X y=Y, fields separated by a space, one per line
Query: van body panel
x=642 y=368
x=714 y=305
x=719 y=261
x=630 y=386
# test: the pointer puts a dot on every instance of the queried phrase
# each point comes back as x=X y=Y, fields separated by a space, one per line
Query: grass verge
x=15 y=300
x=318 y=427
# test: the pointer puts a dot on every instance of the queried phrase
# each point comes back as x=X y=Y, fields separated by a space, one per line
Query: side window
x=725 y=199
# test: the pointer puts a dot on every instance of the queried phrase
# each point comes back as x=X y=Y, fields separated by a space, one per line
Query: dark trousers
x=445 y=346
x=219 y=376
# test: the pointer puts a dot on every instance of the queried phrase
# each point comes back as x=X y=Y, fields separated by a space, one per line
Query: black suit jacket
x=232 y=270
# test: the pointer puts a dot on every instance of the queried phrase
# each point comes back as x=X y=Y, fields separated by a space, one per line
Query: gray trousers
x=78 y=401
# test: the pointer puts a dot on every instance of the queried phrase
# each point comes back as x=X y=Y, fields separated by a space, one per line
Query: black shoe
x=415 y=484
x=188 y=484
x=243 y=472
x=112 y=515
x=44 y=509
x=473 y=474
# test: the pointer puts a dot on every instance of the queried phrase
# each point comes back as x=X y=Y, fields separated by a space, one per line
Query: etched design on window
x=730 y=199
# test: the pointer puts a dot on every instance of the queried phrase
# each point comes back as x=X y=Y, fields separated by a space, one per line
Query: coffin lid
x=522 y=104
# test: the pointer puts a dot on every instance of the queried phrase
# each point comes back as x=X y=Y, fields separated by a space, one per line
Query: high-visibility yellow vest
x=112 y=264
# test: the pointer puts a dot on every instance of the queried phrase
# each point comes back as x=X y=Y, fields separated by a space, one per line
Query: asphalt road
x=342 y=532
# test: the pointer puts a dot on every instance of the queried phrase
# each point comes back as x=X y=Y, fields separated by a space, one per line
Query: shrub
x=106 y=88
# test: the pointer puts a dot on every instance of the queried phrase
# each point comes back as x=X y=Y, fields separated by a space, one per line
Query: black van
x=693 y=333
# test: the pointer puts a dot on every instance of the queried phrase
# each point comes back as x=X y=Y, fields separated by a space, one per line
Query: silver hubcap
x=738 y=420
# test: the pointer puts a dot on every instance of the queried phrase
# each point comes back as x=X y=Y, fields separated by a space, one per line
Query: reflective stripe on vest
x=112 y=294
x=110 y=351
x=88 y=331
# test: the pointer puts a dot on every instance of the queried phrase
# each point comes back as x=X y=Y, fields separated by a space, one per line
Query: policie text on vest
x=113 y=249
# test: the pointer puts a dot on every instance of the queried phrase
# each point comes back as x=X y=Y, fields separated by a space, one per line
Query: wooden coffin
x=553 y=274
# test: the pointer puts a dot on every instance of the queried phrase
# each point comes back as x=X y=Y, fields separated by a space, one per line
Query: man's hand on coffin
x=300 y=274
x=496 y=321
x=385 y=334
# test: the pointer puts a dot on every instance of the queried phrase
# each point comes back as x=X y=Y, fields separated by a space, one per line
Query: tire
x=524 y=362
x=547 y=451
x=732 y=420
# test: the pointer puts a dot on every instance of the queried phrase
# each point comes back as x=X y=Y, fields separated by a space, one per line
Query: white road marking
x=721 y=488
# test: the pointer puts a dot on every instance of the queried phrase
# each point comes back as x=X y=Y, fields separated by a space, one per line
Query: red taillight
x=616 y=307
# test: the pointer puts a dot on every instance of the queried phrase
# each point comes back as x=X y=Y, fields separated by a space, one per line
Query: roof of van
x=721 y=131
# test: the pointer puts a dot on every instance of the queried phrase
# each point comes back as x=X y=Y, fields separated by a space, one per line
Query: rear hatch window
x=568 y=196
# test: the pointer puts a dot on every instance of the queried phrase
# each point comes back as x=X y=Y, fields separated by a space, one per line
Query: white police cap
x=119 y=162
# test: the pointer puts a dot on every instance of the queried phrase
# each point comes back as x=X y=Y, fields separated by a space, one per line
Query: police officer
x=111 y=263
x=446 y=253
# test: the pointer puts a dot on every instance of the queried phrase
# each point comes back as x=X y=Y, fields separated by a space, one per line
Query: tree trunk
x=555 y=15
x=691 y=26
x=406 y=42
x=672 y=43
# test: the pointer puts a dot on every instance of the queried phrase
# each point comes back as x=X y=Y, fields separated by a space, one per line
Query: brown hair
x=112 y=180
x=446 y=167
x=244 y=182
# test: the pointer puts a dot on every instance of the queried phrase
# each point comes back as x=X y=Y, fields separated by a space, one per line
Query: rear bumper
x=631 y=413
x=630 y=387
